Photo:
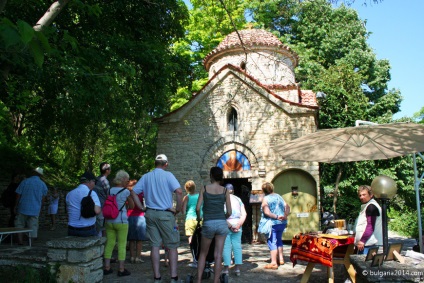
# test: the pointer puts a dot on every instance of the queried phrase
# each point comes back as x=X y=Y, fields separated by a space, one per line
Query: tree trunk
x=336 y=189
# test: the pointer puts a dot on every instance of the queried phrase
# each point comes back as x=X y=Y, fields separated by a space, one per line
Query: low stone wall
x=79 y=259
x=76 y=259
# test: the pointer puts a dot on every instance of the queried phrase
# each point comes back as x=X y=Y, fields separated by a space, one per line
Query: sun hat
x=39 y=170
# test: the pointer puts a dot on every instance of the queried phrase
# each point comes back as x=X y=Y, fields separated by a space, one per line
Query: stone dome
x=251 y=38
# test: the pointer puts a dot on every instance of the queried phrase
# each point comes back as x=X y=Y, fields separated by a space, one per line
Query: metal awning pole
x=417 y=182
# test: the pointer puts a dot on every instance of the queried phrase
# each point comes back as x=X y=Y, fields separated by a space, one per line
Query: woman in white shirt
x=233 y=240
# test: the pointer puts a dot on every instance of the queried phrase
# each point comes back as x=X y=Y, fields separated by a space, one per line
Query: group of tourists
x=147 y=212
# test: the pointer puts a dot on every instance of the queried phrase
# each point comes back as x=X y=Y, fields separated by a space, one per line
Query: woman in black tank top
x=213 y=198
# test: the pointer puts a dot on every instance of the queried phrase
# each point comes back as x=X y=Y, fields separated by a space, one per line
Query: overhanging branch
x=50 y=15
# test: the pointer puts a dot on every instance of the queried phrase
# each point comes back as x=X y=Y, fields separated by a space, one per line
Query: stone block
x=56 y=254
x=71 y=242
x=84 y=255
x=73 y=273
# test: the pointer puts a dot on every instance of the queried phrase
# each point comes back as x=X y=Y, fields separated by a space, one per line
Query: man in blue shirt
x=158 y=187
x=29 y=197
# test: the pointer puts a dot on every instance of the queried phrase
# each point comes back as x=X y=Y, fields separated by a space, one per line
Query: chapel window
x=232 y=120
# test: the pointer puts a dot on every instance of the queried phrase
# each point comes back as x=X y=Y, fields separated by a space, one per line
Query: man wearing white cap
x=29 y=196
x=158 y=187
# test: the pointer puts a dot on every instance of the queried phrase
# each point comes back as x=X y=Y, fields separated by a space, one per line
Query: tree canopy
x=102 y=79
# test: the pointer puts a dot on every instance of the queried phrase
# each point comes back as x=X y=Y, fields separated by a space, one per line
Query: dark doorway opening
x=242 y=189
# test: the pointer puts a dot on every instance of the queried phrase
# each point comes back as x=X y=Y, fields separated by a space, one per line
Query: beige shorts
x=161 y=228
x=190 y=226
x=27 y=221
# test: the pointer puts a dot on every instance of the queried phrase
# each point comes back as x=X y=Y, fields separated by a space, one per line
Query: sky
x=397 y=28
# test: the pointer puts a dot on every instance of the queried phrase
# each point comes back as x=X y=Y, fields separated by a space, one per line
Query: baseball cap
x=87 y=176
x=161 y=157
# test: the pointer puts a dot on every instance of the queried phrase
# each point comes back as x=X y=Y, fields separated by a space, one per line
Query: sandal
x=237 y=272
x=280 y=262
x=271 y=266
x=124 y=273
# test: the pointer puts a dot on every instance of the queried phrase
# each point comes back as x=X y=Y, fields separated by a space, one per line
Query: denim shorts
x=211 y=228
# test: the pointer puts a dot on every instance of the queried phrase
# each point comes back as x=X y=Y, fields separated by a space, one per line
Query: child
x=189 y=210
x=53 y=207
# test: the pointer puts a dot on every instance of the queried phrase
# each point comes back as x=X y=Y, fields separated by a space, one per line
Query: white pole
x=417 y=194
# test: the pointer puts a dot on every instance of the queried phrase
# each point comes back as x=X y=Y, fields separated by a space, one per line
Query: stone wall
x=75 y=259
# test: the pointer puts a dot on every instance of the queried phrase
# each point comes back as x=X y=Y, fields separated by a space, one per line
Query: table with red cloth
x=322 y=249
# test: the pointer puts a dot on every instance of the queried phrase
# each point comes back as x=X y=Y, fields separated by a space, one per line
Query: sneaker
x=107 y=271
x=138 y=260
x=193 y=264
x=132 y=260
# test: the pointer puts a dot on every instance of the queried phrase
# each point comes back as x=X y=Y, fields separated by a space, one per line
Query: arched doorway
x=299 y=189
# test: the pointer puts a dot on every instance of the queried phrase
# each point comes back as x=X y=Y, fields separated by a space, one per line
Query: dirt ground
x=255 y=257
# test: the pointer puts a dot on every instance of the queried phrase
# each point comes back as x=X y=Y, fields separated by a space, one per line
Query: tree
x=104 y=80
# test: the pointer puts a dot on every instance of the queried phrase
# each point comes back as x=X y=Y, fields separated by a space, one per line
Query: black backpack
x=87 y=206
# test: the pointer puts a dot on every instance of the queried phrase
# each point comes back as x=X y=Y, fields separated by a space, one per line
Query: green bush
x=26 y=274
x=404 y=222
x=347 y=206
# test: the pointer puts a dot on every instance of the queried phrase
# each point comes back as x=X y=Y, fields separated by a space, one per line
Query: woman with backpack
x=117 y=228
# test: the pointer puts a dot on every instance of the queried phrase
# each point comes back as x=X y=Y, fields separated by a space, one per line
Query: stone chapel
x=250 y=102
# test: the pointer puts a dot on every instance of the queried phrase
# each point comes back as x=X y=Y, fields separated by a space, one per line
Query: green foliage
x=208 y=25
x=19 y=42
x=405 y=222
x=104 y=79
x=348 y=204
x=26 y=274
x=419 y=116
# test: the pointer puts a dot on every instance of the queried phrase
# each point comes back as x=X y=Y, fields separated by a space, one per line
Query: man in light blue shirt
x=29 y=197
x=158 y=187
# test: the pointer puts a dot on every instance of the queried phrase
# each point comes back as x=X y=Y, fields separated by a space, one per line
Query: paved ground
x=254 y=259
